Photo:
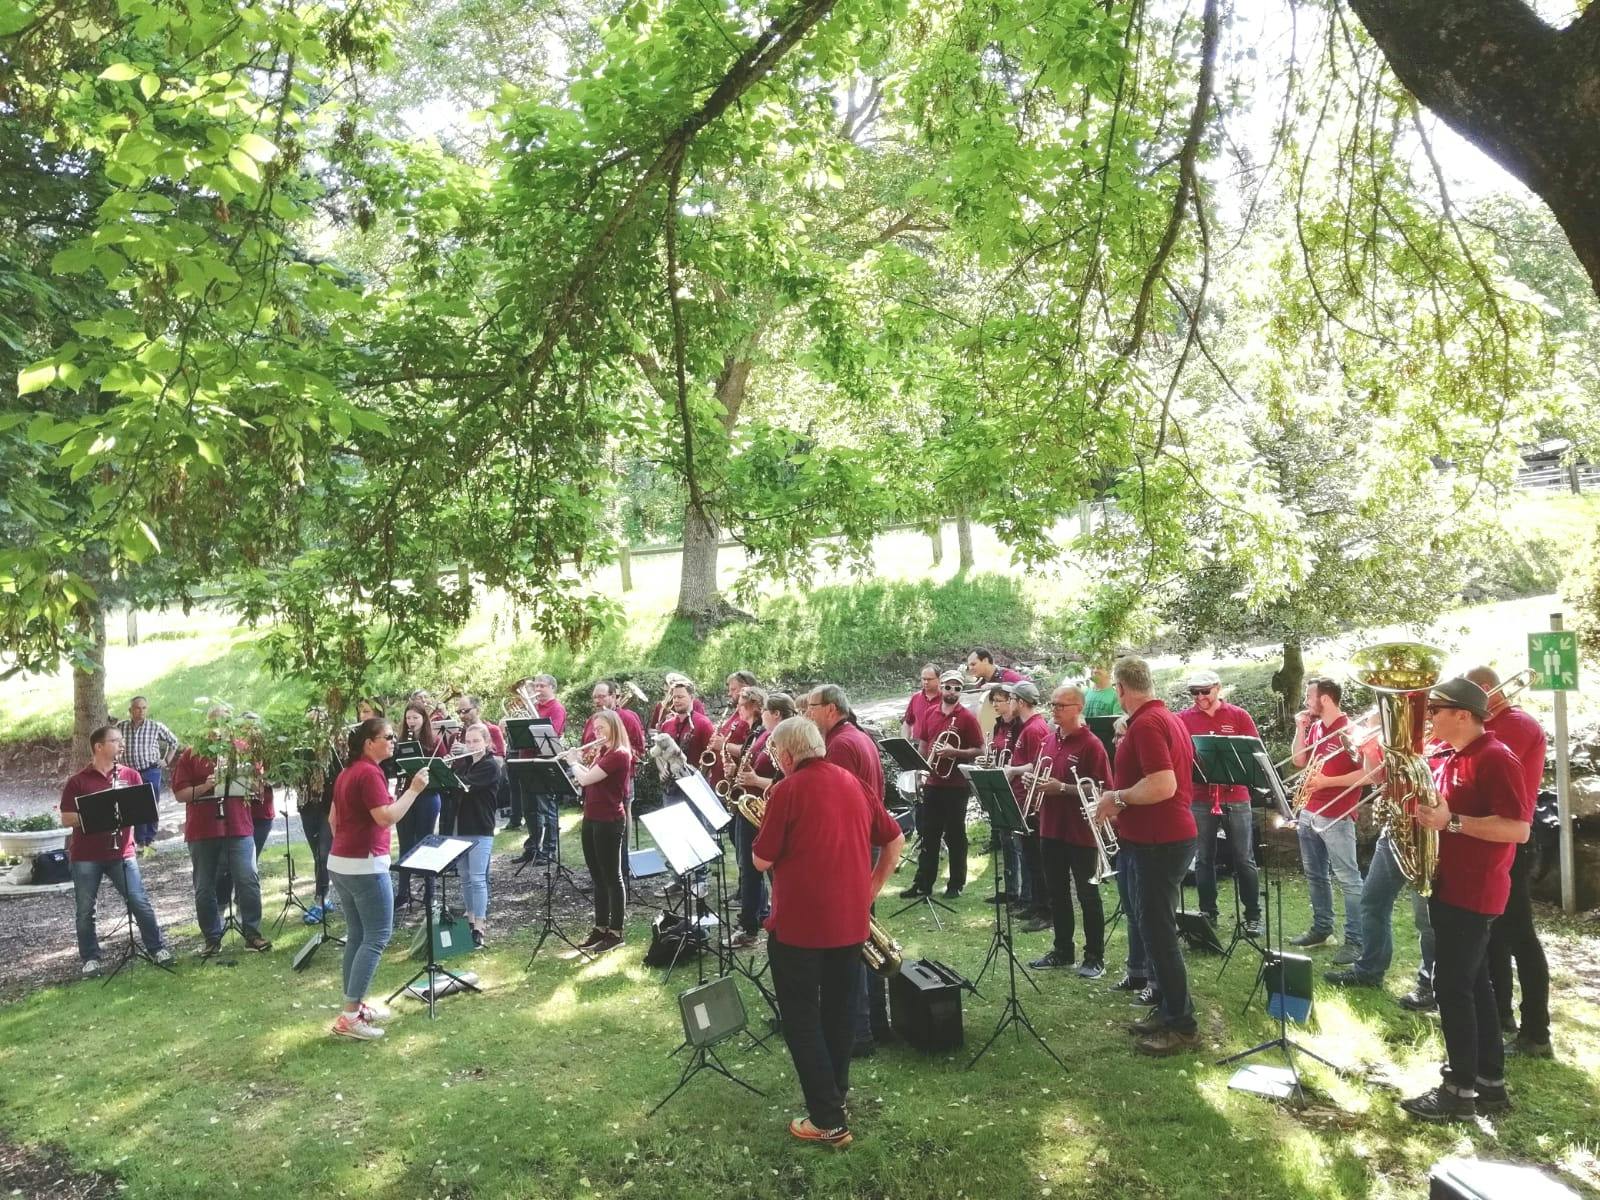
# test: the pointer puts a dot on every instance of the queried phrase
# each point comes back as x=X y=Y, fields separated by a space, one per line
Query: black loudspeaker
x=1474 y=1179
x=1288 y=983
x=925 y=1005
x=672 y=939
x=712 y=1011
x=1198 y=932
x=51 y=866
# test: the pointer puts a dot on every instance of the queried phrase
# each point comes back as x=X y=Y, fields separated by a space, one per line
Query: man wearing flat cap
x=1483 y=814
x=945 y=789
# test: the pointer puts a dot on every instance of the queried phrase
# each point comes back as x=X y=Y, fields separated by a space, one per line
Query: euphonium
x=1401 y=673
x=518 y=702
x=880 y=951
x=1037 y=776
x=752 y=808
x=1105 y=836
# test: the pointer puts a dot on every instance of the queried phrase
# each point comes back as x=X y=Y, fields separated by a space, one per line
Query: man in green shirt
x=1100 y=700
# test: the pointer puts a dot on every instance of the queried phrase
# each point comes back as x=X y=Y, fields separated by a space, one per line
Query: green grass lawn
x=223 y=1081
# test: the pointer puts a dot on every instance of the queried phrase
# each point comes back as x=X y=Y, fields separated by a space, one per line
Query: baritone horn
x=1104 y=833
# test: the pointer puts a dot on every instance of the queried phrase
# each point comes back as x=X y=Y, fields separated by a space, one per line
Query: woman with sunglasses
x=362 y=815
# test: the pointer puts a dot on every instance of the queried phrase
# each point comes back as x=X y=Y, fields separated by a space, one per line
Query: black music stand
x=547 y=773
x=1000 y=804
x=1227 y=760
x=907 y=757
x=431 y=857
x=110 y=812
x=547 y=777
x=302 y=756
x=687 y=847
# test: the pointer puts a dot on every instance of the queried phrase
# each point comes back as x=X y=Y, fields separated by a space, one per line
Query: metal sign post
x=1553 y=658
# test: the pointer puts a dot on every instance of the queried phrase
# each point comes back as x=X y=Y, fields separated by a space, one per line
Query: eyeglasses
x=1066 y=704
x=1205 y=691
x=949 y=687
x=1438 y=708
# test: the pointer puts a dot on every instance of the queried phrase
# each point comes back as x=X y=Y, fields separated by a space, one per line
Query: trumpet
x=948 y=739
x=1105 y=836
x=1034 y=779
x=993 y=762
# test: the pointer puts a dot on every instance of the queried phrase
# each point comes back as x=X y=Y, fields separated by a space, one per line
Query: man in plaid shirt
x=147 y=747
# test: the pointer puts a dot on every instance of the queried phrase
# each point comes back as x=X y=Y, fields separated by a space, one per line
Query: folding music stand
x=907 y=757
x=304 y=757
x=687 y=848
x=112 y=811
x=1226 y=760
x=547 y=776
x=431 y=857
x=547 y=773
x=1000 y=804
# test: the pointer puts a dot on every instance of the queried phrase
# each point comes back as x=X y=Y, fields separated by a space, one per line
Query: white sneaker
x=351 y=1025
x=92 y=967
x=374 y=1011
x=164 y=956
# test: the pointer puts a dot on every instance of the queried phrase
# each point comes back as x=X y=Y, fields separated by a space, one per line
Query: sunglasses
x=1436 y=708
x=1205 y=691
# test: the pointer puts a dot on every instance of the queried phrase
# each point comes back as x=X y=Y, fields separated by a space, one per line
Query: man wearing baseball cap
x=1222 y=805
x=1483 y=814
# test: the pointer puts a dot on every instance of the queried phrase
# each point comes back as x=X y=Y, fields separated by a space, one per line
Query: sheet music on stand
x=704 y=801
x=435 y=854
x=995 y=797
x=533 y=733
x=904 y=754
x=543 y=776
x=1274 y=786
x=680 y=837
x=114 y=809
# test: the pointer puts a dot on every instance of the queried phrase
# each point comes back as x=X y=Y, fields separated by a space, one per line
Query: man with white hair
x=816 y=839
x=1225 y=806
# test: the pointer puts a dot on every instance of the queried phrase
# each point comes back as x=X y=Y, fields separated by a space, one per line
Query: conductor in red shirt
x=816 y=839
x=1153 y=786
x=1483 y=814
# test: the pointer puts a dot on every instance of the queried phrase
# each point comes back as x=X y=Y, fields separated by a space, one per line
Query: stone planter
x=34 y=841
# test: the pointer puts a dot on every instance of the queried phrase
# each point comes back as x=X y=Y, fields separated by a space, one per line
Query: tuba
x=518 y=703
x=1402 y=673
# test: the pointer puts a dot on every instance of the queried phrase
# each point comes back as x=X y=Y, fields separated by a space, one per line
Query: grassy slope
x=222 y=1081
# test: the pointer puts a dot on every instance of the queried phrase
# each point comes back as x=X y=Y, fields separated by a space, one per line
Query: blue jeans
x=1010 y=854
x=145 y=834
x=124 y=876
x=368 y=903
x=314 y=822
x=547 y=812
x=475 y=878
x=1138 y=962
x=1331 y=850
x=1383 y=886
x=1239 y=823
x=236 y=856
x=752 y=883
x=260 y=831
x=1161 y=871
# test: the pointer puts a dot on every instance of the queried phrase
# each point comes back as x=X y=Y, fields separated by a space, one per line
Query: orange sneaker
x=802 y=1128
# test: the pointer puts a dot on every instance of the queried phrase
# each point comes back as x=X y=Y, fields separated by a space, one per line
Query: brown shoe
x=1168 y=1041
x=256 y=942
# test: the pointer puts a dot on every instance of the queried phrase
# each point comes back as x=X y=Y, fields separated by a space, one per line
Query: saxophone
x=1401 y=674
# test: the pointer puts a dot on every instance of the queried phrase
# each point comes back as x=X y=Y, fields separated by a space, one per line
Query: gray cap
x=1461 y=693
x=1026 y=691
x=1202 y=679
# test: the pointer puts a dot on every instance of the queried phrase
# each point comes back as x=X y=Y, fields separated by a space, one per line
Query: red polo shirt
x=1061 y=816
x=1524 y=737
x=1482 y=780
x=360 y=788
x=736 y=730
x=635 y=728
x=851 y=747
x=760 y=760
x=606 y=800
x=969 y=736
x=201 y=816
x=818 y=834
x=1032 y=740
x=916 y=708
x=662 y=711
x=1333 y=803
x=1003 y=675
x=1228 y=719
x=97 y=847
x=555 y=712
x=1156 y=741
x=691 y=733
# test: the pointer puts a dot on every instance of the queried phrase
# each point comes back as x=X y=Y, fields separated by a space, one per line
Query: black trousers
x=1512 y=936
x=603 y=842
x=944 y=819
x=1067 y=866
x=1160 y=886
x=1467 y=1015
x=1032 y=883
x=816 y=991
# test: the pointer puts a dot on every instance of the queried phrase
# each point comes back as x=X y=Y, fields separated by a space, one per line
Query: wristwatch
x=1119 y=800
x=1455 y=823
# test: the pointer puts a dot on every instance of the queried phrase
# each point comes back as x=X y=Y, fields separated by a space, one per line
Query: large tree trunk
x=625 y=565
x=697 y=585
x=89 y=687
x=936 y=542
x=1289 y=682
x=699 y=599
x=1524 y=92
x=964 y=540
